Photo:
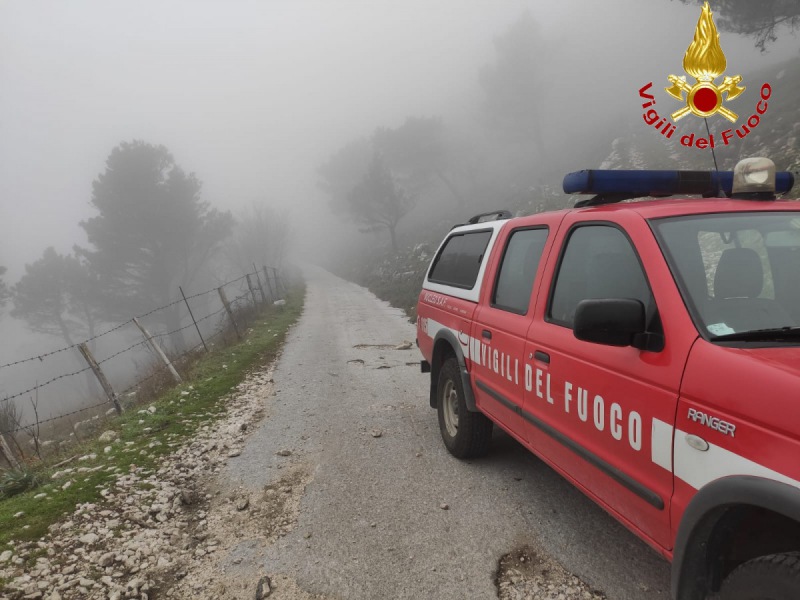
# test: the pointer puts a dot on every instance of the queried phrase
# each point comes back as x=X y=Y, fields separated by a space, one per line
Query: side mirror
x=609 y=321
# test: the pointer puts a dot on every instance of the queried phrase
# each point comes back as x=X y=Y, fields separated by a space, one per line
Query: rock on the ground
x=150 y=530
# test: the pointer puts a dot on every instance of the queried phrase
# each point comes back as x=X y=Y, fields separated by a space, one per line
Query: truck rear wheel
x=466 y=434
x=771 y=577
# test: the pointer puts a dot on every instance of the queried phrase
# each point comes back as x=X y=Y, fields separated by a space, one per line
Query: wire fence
x=124 y=347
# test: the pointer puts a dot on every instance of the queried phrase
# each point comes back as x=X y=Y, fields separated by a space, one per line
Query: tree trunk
x=394 y=237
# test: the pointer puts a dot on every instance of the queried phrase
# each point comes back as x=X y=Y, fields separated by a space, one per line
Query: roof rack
x=611 y=186
x=499 y=215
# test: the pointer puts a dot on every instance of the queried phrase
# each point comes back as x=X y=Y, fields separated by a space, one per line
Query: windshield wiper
x=760 y=335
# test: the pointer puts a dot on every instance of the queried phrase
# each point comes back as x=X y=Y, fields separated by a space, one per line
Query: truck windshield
x=738 y=273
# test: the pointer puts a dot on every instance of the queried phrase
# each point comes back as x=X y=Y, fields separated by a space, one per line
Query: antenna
x=714 y=156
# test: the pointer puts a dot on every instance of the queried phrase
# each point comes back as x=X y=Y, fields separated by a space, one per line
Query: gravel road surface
x=383 y=510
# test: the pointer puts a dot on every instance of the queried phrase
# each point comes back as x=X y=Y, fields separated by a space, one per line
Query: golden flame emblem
x=705 y=61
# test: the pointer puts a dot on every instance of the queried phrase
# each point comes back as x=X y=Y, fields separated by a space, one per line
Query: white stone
x=108 y=436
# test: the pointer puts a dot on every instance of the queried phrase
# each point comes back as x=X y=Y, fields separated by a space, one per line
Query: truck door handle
x=542 y=356
x=487 y=334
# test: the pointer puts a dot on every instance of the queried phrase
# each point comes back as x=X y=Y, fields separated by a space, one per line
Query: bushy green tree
x=152 y=232
x=57 y=296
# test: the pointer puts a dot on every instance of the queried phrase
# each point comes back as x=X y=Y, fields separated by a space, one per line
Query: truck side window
x=460 y=258
x=518 y=270
x=599 y=262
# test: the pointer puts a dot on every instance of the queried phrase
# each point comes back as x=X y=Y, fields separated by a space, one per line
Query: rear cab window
x=460 y=262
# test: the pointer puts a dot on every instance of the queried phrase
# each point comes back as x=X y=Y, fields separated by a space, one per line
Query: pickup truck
x=649 y=352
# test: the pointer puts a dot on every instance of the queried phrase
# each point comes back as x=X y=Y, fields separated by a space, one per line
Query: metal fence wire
x=246 y=292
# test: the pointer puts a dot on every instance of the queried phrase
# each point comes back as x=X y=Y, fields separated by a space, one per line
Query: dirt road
x=376 y=508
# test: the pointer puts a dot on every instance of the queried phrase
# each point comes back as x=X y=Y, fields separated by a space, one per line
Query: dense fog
x=267 y=119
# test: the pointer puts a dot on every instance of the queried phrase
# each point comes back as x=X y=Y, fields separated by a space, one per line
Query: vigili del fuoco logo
x=704 y=61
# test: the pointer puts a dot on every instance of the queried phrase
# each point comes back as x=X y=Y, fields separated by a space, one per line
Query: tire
x=771 y=577
x=465 y=434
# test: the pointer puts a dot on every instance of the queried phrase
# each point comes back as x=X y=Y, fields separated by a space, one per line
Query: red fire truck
x=648 y=351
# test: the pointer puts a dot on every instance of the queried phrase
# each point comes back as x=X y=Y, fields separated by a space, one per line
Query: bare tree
x=261 y=236
x=378 y=201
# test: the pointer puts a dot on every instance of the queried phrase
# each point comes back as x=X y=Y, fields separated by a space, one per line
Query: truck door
x=500 y=324
x=601 y=414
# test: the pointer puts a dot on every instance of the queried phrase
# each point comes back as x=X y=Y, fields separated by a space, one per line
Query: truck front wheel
x=772 y=577
x=466 y=434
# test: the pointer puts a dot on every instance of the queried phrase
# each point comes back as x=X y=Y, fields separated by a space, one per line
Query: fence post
x=193 y=321
x=5 y=449
x=252 y=290
x=229 y=311
x=269 y=285
x=112 y=396
x=260 y=287
x=157 y=350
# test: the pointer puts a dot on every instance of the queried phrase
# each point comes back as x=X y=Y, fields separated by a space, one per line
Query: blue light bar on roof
x=637 y=184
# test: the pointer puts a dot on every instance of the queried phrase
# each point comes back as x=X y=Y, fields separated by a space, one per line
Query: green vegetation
x=144 y=437
x=17 y=481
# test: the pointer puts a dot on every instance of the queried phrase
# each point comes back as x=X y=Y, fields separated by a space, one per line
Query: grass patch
x=145 y=438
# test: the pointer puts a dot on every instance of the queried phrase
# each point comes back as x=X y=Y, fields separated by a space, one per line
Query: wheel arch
x=728 y=522
x=445 y=344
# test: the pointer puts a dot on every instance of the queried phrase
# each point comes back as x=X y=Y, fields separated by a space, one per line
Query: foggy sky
x=252 y=96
